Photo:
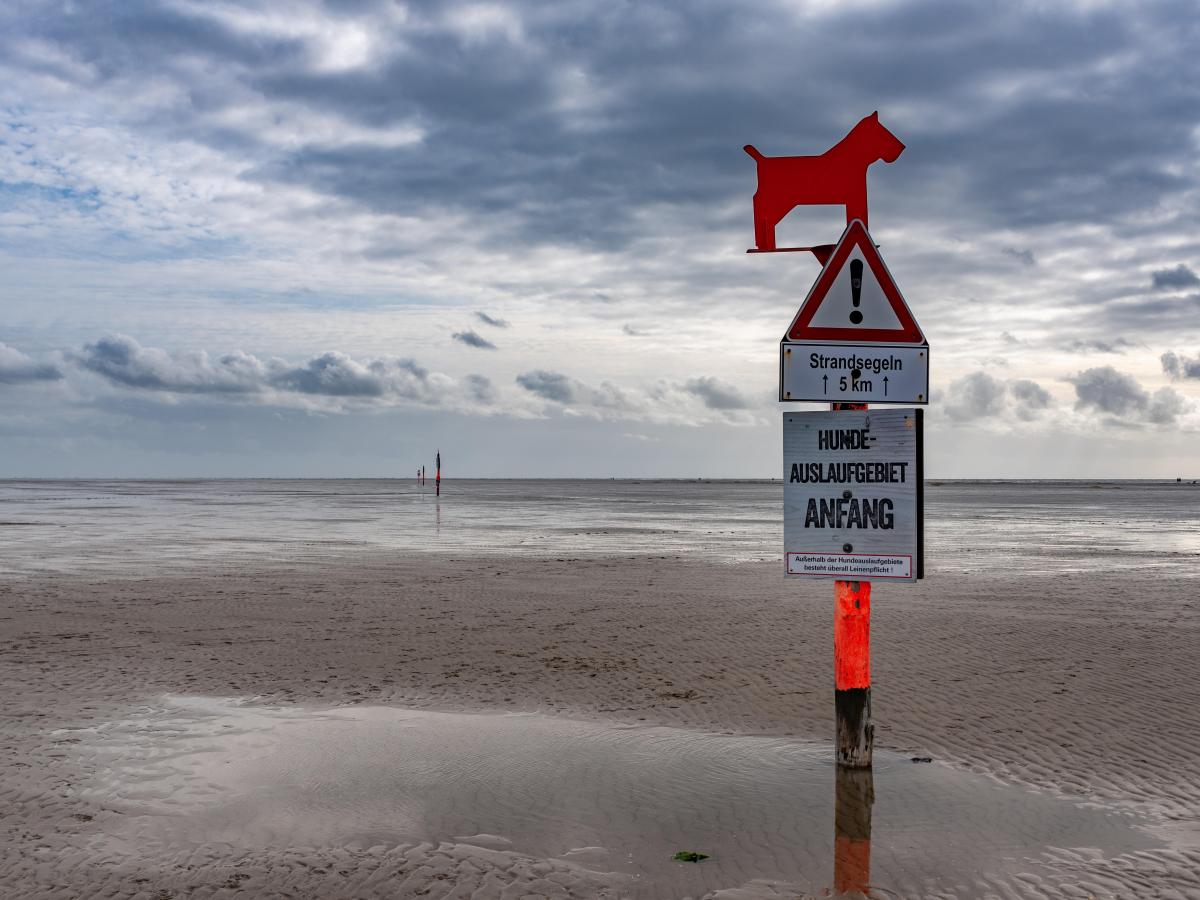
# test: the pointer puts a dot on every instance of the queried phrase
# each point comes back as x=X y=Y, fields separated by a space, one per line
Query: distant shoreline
x=409 y=479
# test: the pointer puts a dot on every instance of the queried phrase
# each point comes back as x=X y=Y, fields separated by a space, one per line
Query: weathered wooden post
x=852 y=672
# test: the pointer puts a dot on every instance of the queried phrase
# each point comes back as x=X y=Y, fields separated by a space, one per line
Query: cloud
x=1179 y=277
x=481 y=388
x=1146 y=314
x=122 y=361
x=18 y=368
x=1165 y=405
x=334 y=379
x=427 y=157
x=1031 y=398
x=1118 y=345
x=979 y=395
x=975 y=396
x=491 y=320
x=1118 y=394
x=549 y=385
x=416 y=111
x=715 y=393
x=1179 y=366
x=681 y=403
x=472 y=339
x=1109 y=391
x=606 y=398
x=335 y=374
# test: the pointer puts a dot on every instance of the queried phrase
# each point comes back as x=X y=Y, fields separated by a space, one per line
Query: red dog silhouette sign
x=837 y=177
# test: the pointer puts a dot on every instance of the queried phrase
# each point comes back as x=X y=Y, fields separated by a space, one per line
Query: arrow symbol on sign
x=825 y=378
x=885 y=385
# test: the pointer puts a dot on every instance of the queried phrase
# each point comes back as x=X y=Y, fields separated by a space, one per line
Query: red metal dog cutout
x=837 y=177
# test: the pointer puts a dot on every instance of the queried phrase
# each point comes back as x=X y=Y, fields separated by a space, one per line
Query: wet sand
x=1083 y=687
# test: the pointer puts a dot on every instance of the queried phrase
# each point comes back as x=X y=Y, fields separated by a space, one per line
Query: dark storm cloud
x=491 y=320
x=561 y=125
x=473 y=339
x=715 y=393
x=122 y=38
x=548 y=385
x=18 y=368
x=121 y=360
x=1179 y=277
x=1118 y=394
x=1179 y=366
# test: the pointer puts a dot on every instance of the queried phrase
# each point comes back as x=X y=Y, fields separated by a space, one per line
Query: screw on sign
x=853 y=488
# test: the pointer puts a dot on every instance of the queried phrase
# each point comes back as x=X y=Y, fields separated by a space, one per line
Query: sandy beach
x=1077 y=686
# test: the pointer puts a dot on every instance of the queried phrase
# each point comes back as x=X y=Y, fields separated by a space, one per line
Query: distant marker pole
x=438 y=479
x=852 y=663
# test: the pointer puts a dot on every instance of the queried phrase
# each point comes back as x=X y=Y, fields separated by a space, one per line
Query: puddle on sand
x=197 y=771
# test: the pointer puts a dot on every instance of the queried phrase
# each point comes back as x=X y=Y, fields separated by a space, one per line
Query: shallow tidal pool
x=190 y=771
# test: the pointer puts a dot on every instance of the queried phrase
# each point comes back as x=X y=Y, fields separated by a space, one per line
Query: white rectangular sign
x=853 y=494
x=854 y=373
x=850 y=566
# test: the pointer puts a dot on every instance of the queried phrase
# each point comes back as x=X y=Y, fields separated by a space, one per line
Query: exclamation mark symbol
x=856 y=267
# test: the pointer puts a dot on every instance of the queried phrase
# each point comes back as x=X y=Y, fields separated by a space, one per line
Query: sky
x=329 y=238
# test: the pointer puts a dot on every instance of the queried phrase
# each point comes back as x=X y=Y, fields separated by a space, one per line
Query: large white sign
x=853 y=373
x=853 y=494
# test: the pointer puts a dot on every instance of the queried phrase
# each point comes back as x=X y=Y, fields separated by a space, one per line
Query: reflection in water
x=854 y=797
x=197 y=771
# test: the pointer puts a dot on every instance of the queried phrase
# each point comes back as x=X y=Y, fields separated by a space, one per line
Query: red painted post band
x=852 y=634
x=851 y=865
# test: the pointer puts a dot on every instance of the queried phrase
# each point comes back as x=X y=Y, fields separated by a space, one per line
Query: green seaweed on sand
x=690 y=856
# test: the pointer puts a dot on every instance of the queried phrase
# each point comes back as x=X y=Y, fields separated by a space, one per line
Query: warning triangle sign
x=855 y=299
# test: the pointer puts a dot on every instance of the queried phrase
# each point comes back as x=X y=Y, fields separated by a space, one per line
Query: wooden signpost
x=853 y=477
